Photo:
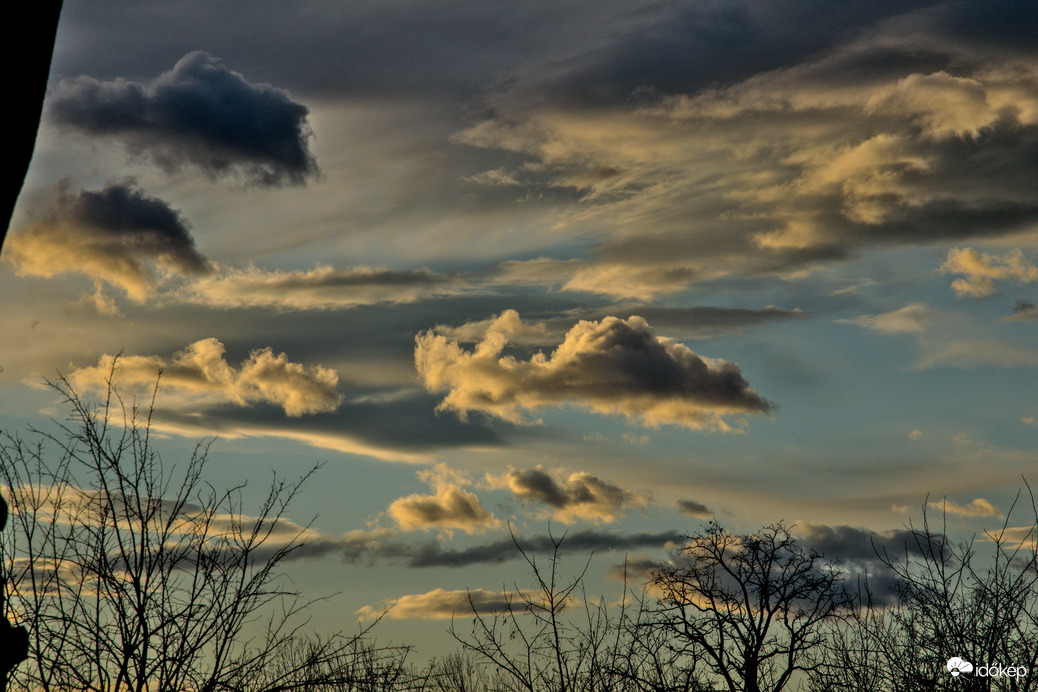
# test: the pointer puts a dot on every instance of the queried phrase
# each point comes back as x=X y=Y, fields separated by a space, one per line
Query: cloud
x=320 y=288
x=637 y=570
x=360 y=425
x=433 y=555
x=971 y=352
x=199 y=113
x=612 y=366
x=695 y=509
x=1023 y=311
x=449 y=507
x=898 y=136
x=200 y=374
x=976 y=508
x=439 y=604
x=860 y=545
x=907 y=320
x=861 y=553
x=370 y=546
x=117 y=235
x=693 y=322
x=981 y=270
x=580 y=496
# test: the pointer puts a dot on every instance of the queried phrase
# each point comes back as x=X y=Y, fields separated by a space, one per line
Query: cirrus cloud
x=321 y=288
x=440 y=604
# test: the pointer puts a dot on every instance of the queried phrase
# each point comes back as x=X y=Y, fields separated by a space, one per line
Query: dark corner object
x=32 y=53
x=14 y=641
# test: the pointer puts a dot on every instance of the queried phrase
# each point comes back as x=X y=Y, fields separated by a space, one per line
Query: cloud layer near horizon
x=612 y=366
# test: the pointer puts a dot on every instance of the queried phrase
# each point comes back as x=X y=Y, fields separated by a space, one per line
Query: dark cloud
x=587 y=51
x=1023 y=305
x=198 y=113
x=370 y=547
x=853 y=544
x=612 y=366
x=110 y=235
x=579 y=496
x=369 y=426
x=695 y=46
x=433 y=555
x=695 y=509
x=637 y=570
x=1023 y=311
x=863 y=554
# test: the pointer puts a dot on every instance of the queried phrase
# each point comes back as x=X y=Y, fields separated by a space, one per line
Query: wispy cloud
x=439 y=604
x=320 y=288
x=975 y=508
x=911 y=319
x=863 y=145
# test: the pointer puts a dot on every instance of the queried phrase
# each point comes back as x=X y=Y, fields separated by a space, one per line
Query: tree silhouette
x=749 y=608
x=132 y=574
x=974 y=600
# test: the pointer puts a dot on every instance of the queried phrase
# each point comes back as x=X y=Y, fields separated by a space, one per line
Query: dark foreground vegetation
x=131 y=575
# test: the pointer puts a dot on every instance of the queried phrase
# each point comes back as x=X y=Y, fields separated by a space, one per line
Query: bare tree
x=973 y=600
x=750 y=608
x=554 y=638
x=132 y=574
x=550 y=638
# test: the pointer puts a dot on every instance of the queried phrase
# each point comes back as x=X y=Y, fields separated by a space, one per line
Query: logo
x=956 y=665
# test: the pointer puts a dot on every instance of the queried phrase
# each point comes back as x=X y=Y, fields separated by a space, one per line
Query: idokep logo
x=957 y=666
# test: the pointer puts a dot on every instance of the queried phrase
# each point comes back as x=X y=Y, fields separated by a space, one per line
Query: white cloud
x=449 y=507
x=611 y=366
x=981 y=270
x=320 y=288
x=440 y=604
x=976 y=508
x=200 y=373
x=909 y=319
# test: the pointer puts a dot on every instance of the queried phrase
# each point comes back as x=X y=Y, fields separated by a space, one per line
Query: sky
x=607 y=270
